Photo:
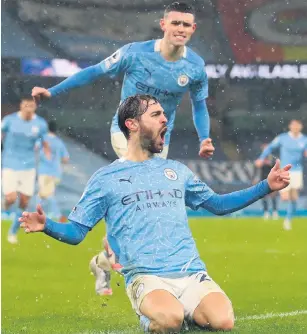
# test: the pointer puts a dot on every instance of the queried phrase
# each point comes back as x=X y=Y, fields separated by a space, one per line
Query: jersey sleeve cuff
x=52 y=91
x=266 y=188
x=48 y=226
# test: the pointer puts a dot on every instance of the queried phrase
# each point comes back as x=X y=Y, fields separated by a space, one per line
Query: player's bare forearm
x=47 y=150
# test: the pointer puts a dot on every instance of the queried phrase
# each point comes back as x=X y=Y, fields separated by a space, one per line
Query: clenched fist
x=39 y=93
x=206 y=148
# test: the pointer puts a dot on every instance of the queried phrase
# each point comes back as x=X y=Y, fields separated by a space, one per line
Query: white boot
x=266 y=215
x=12 y=239
x=287 y=224
x=103 y=277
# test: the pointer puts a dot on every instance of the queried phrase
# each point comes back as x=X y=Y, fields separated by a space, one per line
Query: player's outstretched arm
x=70 y=233
x=116 y=63
x=275 y=144
x=228 y=203
x=198 y=194
x=84 y=77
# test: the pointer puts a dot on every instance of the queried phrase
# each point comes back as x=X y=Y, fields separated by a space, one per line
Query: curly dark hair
x=133 y=107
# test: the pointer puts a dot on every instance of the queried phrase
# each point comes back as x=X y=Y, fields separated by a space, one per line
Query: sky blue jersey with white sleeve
x=147 y=72
x=292 y=150
x=20 y=138
x=53 y=166
x=144 y=206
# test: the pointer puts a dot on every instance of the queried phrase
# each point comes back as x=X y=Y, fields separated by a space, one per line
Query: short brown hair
x=181 y=7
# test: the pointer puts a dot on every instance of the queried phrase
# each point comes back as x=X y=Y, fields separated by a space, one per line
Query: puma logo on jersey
x=126 y=180
x=149 y=72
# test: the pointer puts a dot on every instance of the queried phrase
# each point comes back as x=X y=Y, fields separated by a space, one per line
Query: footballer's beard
x=150 y=141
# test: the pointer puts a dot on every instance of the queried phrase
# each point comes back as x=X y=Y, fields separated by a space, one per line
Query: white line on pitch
x=272 y=315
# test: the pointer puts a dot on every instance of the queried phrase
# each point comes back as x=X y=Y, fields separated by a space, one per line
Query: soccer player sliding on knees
x=165 y=68
x=147 y=228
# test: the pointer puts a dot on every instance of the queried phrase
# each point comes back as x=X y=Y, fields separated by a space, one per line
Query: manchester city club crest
x=183 y=80
x=170 y=174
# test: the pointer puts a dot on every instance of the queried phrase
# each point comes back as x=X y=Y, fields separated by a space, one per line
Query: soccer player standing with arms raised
x=164 y=68
x=147 y=224
x=293 y=148
x=20 y=131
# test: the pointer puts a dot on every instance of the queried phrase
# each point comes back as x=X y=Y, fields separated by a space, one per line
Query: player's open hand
x=33 y=221
x=39 y=93
x=279 y=178
x=206 y=148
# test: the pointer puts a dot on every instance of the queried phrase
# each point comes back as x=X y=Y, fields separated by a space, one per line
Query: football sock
x=15 y=225
x=265 y=204
x=274 y=203
x=144 y=322
x=291 y=209
x=54 y=207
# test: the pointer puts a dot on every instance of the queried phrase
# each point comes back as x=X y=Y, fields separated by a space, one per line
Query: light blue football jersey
x=147 y=72
x=53 y=166
x=20 y=138
x=144 y=205
x=291 y=150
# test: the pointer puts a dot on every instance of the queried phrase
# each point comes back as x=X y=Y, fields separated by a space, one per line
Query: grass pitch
x=47 y=287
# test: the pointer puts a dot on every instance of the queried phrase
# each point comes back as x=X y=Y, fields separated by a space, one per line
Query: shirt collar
x=19 y=115
x=291 y=135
